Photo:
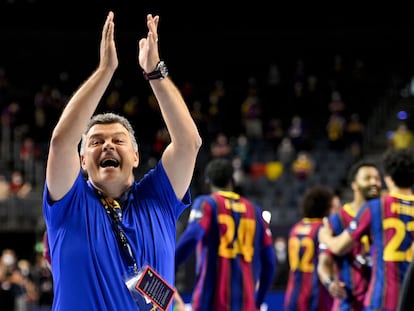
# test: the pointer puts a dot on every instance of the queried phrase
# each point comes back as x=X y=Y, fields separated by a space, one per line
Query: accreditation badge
x=150 y=285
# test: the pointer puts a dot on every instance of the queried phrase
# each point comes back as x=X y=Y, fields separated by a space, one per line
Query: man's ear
x=136 y=159
x=82 y=162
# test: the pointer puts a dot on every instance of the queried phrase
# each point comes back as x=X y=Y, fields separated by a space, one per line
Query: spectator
x=297 y=133
x=402 y=138
x=220 y=147
x=303 y=166
x=282 y=264
x=4 y=188
x=19 y=187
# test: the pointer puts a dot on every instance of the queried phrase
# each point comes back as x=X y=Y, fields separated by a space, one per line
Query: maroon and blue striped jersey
x=354 y=267
x=389 y=221
x=235 y=259
x=304 y=291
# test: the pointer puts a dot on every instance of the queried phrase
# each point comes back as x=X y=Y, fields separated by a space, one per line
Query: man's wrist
x=328 y=282
x=159 y=73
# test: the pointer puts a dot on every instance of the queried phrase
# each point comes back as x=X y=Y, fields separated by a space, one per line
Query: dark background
x=200 y=40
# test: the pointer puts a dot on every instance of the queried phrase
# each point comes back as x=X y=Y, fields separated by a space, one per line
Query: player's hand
x=337 y=289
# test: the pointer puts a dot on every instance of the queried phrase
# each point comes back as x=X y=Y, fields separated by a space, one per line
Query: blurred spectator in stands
x=298 y=98
x=354 y=133
x=243 y=150
x=336 y=104
x=282 y=264
x=220 y=147
x=286 y=152
x=16 y=286
x=7 y=289
x=239 y=174
x=29 y=292
x=43 y=97
x=130 y=107
x=298 y=133
x=313 y=94
x=48 y=104
x=335 y=129
x=151 y=111
x=8 y=119
x=113 y=101
x=19 y=187
x=29 y=153
x=187 y=91
x=199 y=117
x=402 y=137
x=42 y=278
x=4 y=188
x=251 y=112
x=303 y=166
x=162 y=139
x=42 y=103
x=274 y=133
x=216 y=111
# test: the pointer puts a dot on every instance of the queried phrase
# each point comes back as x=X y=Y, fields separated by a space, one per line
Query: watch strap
x=159 y=73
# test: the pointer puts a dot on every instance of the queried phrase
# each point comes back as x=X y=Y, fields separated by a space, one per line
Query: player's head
x=317 y=201
x=364 y=178
x=398 y=165
x=219 y=173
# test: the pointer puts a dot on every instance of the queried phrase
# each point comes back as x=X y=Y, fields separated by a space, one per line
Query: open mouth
x=109 y=163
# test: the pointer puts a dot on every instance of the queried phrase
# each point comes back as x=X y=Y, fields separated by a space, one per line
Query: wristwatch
x=159 y=73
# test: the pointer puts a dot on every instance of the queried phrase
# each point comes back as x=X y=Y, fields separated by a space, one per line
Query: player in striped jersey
x=235 y=254
x=389 y=221
x=346 y=277
x=304 y=290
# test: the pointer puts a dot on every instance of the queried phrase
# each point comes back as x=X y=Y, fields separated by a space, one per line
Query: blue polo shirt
x=87 y=264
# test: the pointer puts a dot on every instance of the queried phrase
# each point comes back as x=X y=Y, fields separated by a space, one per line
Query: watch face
x=163 y=69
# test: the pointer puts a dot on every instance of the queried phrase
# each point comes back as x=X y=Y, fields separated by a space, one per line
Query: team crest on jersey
x=195 y=214
x=353 y=225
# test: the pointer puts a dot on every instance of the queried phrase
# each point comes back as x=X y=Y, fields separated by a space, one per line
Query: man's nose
x=108 y=145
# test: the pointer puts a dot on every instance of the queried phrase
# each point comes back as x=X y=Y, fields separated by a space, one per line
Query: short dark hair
x=219 y=172
x=317 y=201
x=399 y=165
x=108 y=118
x=353 y=171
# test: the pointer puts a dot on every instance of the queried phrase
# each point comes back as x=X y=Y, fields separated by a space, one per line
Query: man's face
x=368 y=182
x=109 y=155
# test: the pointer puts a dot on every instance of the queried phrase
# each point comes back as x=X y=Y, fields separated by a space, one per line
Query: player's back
x=392 y=228
x=230 y=265
x=304 y=291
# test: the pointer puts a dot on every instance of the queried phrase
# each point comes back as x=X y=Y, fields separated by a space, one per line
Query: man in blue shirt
x=105 y=228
